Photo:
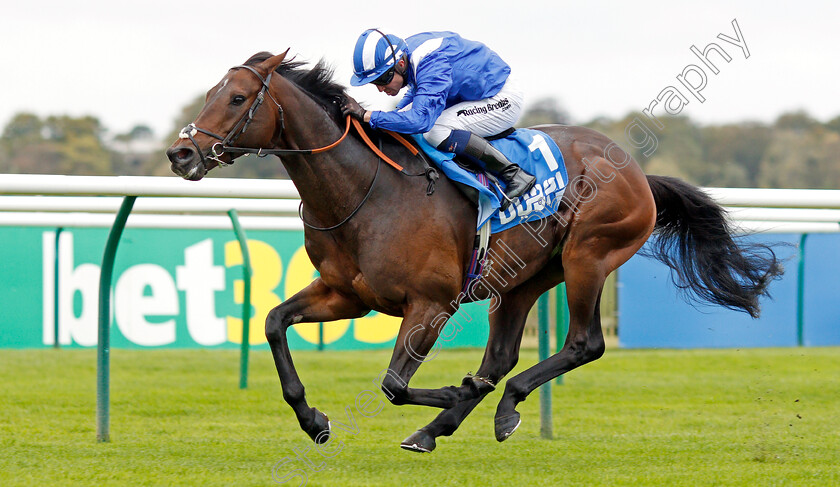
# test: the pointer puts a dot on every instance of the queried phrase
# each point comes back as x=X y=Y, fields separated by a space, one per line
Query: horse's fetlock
x=477 y=386
x=515 y=391
x=293 y=394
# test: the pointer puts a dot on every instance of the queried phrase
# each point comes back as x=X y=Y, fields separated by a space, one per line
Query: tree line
x=794 y=151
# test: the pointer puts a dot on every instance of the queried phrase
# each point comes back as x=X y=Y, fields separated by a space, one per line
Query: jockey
x=459 y=91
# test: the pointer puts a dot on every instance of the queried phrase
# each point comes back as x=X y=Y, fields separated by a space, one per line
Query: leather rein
x=225 y=145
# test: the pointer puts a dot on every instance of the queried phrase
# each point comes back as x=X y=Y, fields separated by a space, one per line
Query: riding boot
x=518 y=181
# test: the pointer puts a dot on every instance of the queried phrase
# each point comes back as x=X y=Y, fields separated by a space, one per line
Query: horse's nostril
x=180 y=155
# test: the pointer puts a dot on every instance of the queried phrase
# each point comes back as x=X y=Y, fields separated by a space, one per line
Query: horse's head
x=231 y=115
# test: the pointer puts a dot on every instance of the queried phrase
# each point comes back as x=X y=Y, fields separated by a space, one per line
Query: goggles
x=386 y=78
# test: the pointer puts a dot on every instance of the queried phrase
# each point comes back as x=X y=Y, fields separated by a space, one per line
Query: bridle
x=226 y=143
x=218 y=149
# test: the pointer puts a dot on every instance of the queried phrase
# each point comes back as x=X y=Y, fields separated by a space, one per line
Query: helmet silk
x=374 y=54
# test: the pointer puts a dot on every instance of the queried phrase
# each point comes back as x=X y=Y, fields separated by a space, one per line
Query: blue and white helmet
x=374 y=54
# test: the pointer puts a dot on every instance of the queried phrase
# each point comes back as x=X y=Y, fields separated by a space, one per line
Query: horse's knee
x=275 y=324
x=395 y=389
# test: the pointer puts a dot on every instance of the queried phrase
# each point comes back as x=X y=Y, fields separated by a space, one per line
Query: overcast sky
x=141 y=62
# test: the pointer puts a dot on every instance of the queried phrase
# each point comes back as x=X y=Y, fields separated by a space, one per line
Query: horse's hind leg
x=606 y=230
x=315 y=303
x=500 y=356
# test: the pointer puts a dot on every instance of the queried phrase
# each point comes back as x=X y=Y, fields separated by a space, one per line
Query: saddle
x=533 y=150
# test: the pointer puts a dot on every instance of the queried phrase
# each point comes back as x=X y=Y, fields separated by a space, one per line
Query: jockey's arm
x=418 y=119
x=430 y=90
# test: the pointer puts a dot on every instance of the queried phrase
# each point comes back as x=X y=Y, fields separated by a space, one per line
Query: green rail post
x=321 y=336
x=103 y=347
x=56 y=344
x=561 y=325
x=800 y=293
x=544 y=350
x=246 y=299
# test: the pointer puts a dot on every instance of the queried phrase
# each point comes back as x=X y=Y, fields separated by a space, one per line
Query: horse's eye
x=237 y=100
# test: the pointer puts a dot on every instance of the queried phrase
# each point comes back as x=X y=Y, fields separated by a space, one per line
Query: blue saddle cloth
x=533 y=151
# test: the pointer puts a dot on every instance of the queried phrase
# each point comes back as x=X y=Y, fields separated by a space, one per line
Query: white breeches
x=484 y=118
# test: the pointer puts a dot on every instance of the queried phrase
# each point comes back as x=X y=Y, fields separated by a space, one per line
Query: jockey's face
x=396 y=84
x=392 y=88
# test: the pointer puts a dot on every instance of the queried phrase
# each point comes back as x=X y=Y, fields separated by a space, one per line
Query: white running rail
x=171 y=202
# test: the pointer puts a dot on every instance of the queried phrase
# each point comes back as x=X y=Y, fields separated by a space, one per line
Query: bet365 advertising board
x=172 y=289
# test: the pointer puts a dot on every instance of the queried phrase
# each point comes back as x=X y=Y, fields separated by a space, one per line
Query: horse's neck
x=331 y=182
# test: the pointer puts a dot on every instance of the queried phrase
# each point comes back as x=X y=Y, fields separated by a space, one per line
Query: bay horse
x=380 y=242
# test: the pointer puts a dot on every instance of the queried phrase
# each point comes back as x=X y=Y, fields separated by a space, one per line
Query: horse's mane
x=317 y=81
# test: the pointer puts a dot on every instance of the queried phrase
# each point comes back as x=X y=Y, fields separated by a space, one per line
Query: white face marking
x=224 y=83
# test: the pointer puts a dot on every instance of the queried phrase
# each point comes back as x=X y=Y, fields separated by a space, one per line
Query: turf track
x=707 y=417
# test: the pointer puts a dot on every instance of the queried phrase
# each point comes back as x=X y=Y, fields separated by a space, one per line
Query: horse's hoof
x=420 y=441
x=506 y=425
x=320 y=430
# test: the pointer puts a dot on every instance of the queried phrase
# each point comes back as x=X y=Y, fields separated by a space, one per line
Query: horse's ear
x=271 y=63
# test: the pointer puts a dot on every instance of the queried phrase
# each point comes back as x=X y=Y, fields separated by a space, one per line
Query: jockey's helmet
x=375 y=54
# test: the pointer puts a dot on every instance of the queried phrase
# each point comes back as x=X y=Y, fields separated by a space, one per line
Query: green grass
x=707 y=417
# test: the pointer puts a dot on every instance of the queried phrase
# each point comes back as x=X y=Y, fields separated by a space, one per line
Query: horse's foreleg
x=315 y=303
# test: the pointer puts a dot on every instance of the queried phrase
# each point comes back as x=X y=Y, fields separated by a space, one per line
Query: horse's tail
x=695 y=241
